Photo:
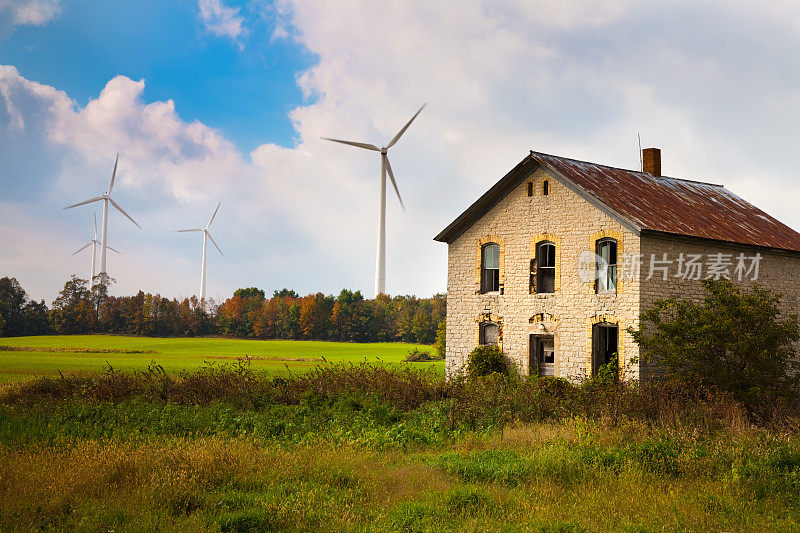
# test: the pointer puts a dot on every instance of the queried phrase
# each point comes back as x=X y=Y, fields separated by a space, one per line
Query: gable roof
x=644 y=203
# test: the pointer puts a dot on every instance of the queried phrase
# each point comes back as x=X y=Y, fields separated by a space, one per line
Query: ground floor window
x=490 y=334
x=605 y=344
x=542 y=356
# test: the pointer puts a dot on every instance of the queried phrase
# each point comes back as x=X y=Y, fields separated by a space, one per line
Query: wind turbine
x=106 y=198
x=206 y=236
x=380 y=271
x=93 y=243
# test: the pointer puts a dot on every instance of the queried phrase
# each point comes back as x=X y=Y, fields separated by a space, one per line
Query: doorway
x=542 y=355
x=605 y=344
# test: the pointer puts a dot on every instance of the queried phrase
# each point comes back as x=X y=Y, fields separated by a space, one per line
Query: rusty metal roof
x=647 y=203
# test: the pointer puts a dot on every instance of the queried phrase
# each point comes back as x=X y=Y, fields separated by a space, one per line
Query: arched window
x=606 y=265
x=530 y=188
x=490 y=334
x=490 y=267
x=545 y=187
x=545 y=267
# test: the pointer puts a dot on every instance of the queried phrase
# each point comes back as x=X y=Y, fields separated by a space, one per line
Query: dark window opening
x=546 y=267
x=546 y=188
x=490 y=334
x=607 y=265
x=530 y=188
x=490 y=268
x=605 y=344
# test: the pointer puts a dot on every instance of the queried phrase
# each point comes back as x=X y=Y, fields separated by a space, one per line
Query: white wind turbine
x=106 y=198
x=380 y=272
x=206 y=236
x=93 y=243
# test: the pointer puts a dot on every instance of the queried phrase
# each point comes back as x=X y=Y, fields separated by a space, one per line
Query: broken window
x=490 y=334
x=606 y=265
x=542 y=355
x=490 y=268
x=605 y=344
x=530 y=188
x=545 y=267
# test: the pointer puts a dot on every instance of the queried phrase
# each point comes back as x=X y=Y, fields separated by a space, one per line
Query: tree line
x=248 y=313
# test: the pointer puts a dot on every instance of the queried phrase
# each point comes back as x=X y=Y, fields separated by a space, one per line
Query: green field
x=26 y=357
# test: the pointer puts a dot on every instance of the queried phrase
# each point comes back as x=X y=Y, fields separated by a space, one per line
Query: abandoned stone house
x=560 y=257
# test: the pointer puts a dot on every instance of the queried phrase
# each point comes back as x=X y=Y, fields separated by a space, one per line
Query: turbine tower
x=106 y=198
x=93 y=243
x=380 y=271
x=206 y=236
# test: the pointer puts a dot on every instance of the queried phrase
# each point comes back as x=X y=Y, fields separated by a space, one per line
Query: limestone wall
x=777 y=271
x=516 y=223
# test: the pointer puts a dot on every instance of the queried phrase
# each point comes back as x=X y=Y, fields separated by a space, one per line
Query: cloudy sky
x=221 y=101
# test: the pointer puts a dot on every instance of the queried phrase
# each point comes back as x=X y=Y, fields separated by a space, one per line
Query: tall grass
x=363 y=448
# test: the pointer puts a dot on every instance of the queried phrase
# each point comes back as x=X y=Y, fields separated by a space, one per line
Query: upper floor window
x=546 y=187
x=606 y=265
x=546 y=267
x=530 y=188
x=490 y=268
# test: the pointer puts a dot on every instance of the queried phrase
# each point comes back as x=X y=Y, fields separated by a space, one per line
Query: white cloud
x=29 y=12
x=221 y=20
x=705 y=81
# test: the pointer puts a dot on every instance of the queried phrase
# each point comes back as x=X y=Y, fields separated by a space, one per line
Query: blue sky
x=252 y=85
x=213 y=101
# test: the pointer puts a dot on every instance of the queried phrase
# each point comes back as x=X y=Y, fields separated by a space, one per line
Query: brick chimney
x=651 y=160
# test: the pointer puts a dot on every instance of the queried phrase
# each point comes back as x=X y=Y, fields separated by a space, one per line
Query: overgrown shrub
x=486 y=360
x=421 y=404
x=419 y=356
x=734 y=341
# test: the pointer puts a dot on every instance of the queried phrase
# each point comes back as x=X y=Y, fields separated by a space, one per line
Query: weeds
x=355 y=447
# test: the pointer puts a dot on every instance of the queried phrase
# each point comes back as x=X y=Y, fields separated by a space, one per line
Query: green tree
x=285 y=293
x=12 y=307
x=73 y=310
x=734 y=340
x=441 y=335
x=35 y=319
x=250 y=292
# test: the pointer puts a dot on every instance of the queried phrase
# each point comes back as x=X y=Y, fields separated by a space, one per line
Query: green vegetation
x=377 y=448
x=487 y=360
x=734 y=340
x=47 y=355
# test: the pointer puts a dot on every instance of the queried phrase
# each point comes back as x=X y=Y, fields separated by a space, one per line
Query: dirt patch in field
x=69 y=350
x=266 y=358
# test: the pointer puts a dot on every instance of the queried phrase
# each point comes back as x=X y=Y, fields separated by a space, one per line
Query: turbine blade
x=215 y=244
x=401 y=132
x=214 y=215
x=94 y=214
x=113 y=250
x=185 y=230
x=95 y=199
x=351 y=143
x=85 y=246
x=115 y=204
x=113 y=174
x=391 y=176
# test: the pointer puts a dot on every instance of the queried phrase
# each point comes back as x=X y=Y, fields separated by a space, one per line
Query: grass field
x=375 y=449
x=26 y=357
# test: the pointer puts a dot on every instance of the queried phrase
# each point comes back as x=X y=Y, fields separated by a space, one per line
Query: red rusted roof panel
x=676 y=206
